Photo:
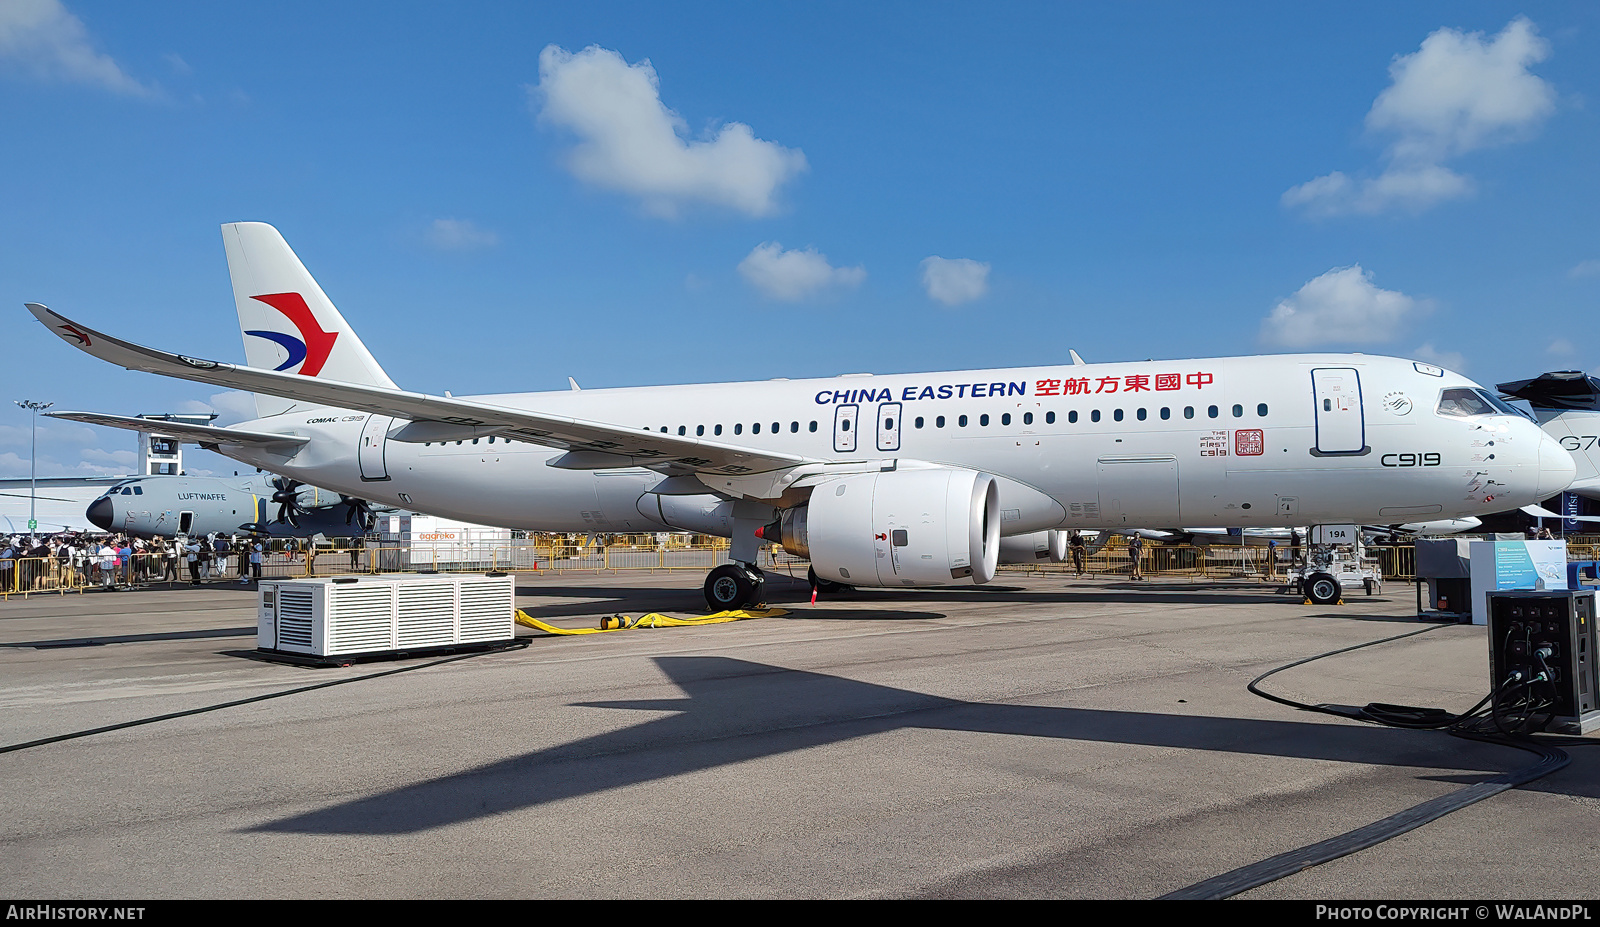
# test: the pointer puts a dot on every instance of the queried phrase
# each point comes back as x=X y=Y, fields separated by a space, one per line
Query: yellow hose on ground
x=652 y=620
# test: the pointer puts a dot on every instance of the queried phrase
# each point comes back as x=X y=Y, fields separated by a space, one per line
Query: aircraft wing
x=600 y=445
x=197 y=434
x=1539 y=511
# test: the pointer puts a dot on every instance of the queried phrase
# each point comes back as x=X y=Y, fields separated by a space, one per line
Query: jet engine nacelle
x=1031 y=548
x=926 y=527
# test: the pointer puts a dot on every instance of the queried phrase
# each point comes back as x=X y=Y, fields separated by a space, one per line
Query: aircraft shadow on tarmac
x=783 y=591
x=97 y=641
x=728 y=704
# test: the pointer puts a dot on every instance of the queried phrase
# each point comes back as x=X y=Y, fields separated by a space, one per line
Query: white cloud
x=1457 y=93
x=953 y=281
x=460 y=235
x=1340 y=307
x=1589 y=268
x=1561 y=347
x=793 y=275
x=628 y=140
x=41 y=37
x=1449 y=360
x=110 y=461
x=232 y=406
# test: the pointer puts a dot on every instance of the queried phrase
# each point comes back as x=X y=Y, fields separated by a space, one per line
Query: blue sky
x=497 y=196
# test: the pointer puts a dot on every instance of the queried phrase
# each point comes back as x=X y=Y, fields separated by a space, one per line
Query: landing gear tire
x=823 y=585
x=732 y=586
x=1322 y=589
x=1369 y=585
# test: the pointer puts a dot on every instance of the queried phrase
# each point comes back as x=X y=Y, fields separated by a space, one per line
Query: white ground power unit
x=369 y=615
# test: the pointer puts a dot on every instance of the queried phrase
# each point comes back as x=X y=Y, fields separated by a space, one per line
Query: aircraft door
x=185 y=522
x=1341 y=428
x=374 y=441
x=844 y=428
x=1140 y=491
x=889 y=426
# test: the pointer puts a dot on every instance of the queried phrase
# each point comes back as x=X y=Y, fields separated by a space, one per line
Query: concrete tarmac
x=1039 y=737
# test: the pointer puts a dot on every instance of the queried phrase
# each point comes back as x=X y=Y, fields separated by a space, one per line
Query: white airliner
x=903 y=480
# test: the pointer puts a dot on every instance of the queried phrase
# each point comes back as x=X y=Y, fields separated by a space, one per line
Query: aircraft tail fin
x=1566 y=404
x=287 y=322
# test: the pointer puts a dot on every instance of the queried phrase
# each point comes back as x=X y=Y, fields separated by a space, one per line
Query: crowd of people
x=54 y=561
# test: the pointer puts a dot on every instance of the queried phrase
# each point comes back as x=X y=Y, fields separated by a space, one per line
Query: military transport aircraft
x=901 y=480
x=261 y=503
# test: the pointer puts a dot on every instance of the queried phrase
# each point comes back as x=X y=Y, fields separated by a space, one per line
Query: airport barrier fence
x=28 y=576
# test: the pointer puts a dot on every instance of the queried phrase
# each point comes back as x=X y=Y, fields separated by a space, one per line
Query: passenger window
x=1049 y=418
x=1211 y=411
x=1238 y=411
x=1072 y=417
x=794 y=428
x=919 y=421
x=738 y=428
x=683 y=429
x=1094 y=416
x=888 y=424
x=777 y=427
x=474 y=440
x=1261 y=410
x=1027 y=418
x=716 y=430
x=938 y=422
x=813 y=426
x=756 y=428
x=1005 y=419
x=1141 y=415
x=1166 y=413
x=962 y=421
x=699 y=430
x=663 y=431
x=984 y=420
x=1117 y=415
x=1188 y=411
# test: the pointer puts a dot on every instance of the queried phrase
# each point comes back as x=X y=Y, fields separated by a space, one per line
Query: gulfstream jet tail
x=288 y=323
x=1567 y=406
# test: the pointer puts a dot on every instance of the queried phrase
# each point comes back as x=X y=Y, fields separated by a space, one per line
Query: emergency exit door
x=844 y=428
x=1341 y=426
x=889 y=426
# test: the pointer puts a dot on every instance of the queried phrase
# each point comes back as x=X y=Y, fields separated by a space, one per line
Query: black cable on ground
x=1463 y=725
x=521 y=642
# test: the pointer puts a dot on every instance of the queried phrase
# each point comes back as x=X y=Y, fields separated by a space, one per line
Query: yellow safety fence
x=28 y=576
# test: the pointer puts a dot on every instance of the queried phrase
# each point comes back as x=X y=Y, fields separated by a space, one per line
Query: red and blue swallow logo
x=313 y=346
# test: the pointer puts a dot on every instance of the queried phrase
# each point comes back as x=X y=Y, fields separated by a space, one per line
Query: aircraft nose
x=100 y=513
x=1556 y=467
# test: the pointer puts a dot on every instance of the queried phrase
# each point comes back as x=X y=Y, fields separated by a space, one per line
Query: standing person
x=220 y=547
x=125 y=558
x=169 y=561
x=38 y=562
x=1135 y=552
x=108 y=565
x=192 y=554
x=258 y=552
x=1272 y=560
x=8 y=565
x=243 y=545
x=1080 y=552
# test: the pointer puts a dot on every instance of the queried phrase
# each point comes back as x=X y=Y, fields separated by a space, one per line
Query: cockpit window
x=1467 y=402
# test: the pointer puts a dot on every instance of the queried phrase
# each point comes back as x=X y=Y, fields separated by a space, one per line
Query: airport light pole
x=33 y=463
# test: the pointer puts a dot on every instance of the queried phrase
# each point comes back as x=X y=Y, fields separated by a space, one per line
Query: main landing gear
x=734 y=585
